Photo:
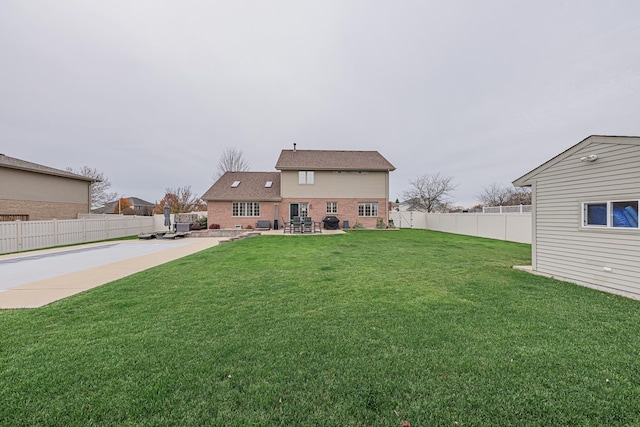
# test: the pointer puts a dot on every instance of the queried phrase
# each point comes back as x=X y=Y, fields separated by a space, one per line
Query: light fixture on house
x=590 y=158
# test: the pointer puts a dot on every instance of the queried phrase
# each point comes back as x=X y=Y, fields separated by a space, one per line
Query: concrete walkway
x=37 y=278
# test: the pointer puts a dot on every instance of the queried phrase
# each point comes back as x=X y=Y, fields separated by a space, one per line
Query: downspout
x=386 y=204
x=89 y=196
x=534 y=227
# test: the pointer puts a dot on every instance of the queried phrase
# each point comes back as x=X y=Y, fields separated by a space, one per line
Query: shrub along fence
x=513 y=227
x=16 y=236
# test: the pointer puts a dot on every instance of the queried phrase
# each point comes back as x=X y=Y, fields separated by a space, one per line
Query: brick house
x=351 y=185
x=29 y=191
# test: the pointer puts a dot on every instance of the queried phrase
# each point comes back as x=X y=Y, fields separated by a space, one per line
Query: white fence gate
x=513 y=227
x=16 y=236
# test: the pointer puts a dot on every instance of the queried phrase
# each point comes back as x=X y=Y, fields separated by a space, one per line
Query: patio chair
x=286 y=225
x=296 y=224
x=307 y=225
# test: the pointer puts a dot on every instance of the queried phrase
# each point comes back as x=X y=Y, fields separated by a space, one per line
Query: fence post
x=19 y=244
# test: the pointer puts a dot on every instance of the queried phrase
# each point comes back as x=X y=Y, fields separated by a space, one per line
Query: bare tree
x=428 y=193
x=494 y=195
x=181 y=200
x=99 y=193
x=231 y=160
x=520 y=196
x=498 y=195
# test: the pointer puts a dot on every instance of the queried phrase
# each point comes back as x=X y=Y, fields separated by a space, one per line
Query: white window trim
x=306 y=177
x=364 y=209
x=609 y=204
x=254 y=206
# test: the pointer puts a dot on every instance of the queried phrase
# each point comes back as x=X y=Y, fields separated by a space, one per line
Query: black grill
x=331 y=222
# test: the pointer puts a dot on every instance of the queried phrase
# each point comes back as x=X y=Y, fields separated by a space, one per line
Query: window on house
x=332 y=207
x=368 y=209
x=268 y=184
x=618 y=214
x=235 y=184
x=305 y=177
x=245 y=209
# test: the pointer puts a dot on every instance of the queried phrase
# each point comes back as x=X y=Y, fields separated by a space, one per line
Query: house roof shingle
x=13 y=163
x=251 y=187
x=332 y=160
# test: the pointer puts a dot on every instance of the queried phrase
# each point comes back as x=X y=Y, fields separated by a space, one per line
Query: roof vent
x=294 y=147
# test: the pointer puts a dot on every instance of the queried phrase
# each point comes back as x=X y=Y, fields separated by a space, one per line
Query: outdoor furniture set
x=301 y=225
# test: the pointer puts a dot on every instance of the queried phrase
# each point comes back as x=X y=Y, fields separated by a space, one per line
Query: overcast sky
x=151 y=92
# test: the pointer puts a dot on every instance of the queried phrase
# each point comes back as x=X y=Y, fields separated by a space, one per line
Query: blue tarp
x=625 y=216
x=632 y=216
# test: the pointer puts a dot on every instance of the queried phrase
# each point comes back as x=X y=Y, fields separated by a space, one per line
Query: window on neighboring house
x=305 y=177
x=618 y=214
x=332 y=207
x=368 y=209
x=245 y=209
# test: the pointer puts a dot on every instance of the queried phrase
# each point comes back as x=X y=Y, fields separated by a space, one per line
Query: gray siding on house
x=25 y=185
x=563 y=247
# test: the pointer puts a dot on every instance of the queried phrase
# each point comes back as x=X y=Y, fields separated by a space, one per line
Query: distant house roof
x=13 y=163
x=245 y=186
x=137 y=202
x=111 y=206
x=332 y=160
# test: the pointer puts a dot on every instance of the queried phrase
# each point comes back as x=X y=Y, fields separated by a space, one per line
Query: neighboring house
x=351 y=185
x=137 y=206
x=585 y=214
x=29 y=191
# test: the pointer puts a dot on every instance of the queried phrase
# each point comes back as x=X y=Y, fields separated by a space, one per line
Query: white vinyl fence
x=507 y=209
x=513 y=227
x=16 y=236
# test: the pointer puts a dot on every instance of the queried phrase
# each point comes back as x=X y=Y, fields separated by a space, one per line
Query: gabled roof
x=111 y=206
x=13 y=163
x=135 y=201
x=251 y=187
x=524 y=180
x=332 y=160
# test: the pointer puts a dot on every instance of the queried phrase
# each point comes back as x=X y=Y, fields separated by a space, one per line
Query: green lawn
x=364 y=329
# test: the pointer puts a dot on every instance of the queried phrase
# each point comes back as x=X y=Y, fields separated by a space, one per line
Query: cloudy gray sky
x=151 y=92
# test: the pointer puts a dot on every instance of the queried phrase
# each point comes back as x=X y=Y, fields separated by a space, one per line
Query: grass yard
x=365 y=329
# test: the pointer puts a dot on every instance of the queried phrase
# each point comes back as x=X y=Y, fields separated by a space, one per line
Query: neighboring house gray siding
x=563 y=246
x=39 y=192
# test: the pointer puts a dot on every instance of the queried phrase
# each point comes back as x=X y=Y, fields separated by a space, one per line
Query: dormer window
x=235 y=184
